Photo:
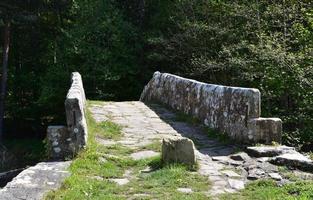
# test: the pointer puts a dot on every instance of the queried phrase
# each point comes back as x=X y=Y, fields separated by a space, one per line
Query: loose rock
x=242 y=156
x=275 y=176
x=295 y=160
x=236 y=184
x=269 y=151
x=119 y=181
x=255 y=174
x=184 y=190
x=230 y=173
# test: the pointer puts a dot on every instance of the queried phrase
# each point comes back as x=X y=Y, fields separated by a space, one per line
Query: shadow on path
x=196 y=132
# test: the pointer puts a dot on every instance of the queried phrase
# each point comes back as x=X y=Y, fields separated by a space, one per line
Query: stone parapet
x=234 y=111
x=66 y=141
x=75 y=107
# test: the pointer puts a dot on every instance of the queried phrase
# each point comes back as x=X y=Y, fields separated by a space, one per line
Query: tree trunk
x=4 y=77
x=141 y=12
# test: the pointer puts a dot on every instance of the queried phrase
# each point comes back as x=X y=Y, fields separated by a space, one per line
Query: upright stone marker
x=178 y=150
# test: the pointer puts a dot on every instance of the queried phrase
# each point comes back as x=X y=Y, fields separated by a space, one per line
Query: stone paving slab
x=34 y=182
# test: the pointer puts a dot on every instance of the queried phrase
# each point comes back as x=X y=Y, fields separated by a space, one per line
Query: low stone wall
x=234 y=111
x=66 y=141
x=75 y=107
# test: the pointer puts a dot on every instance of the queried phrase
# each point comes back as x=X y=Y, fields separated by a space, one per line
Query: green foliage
x=108 y=130
x=262 y=44
x=33 y=151
x=116 y=45
x=100 y=44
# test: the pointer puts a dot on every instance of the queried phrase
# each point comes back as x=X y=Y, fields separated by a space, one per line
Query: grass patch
x=163 y=184
x=108 y=130
x=156 y=145
x=95 y=102
x=93 y=168
x=268 y=189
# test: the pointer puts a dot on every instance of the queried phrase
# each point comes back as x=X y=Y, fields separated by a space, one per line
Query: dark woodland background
x=117 y=45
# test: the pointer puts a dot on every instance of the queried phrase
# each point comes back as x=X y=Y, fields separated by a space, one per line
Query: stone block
x=265 y=130
x=269 y=151
x=59 y=142
x=294 y=160
x=178 y=150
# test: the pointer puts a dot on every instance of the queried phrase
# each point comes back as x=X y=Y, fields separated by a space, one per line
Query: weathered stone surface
x=267 y=167
x=143 y=155
x=184 y=190
x=236 y=184
x=295 y=160
x=231 y=110
x=265 y=130
x=58 y=140
x=35 y=181
x=255 y=174
x=67 y=141
x=75 y=105
x=269 y=151
x=178 y=150
x=119 y=181
x=230 y=173
x=226 y=160
x=275 y=176
x=242 y=156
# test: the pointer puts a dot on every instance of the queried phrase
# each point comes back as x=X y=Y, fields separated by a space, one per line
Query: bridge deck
x=143 y=124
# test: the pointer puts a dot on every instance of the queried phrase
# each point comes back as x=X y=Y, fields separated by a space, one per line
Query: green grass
x=108 y=130
x=93 y=167
x=269 y=190
x=96 y=102
x=156 y=145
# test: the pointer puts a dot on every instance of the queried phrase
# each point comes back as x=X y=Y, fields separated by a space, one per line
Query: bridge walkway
x=143 y=124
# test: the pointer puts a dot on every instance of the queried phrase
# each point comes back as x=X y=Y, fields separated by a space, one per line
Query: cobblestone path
x=227 y=169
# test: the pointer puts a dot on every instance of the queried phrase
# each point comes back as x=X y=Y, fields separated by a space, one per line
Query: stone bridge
x=231 y=111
